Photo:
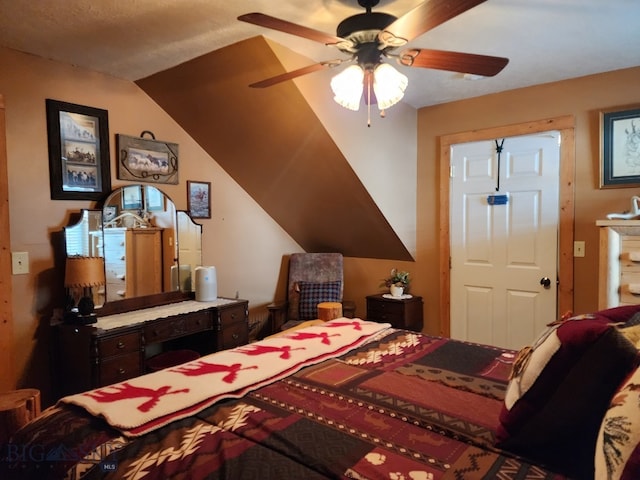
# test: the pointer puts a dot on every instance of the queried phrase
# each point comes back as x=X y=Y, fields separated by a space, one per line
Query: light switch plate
x=19 y=263
x=578 y=248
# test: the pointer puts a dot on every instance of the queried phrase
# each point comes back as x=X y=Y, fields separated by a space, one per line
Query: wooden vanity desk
x=116 y=347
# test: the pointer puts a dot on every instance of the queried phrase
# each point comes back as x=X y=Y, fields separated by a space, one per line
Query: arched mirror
x=148 y=246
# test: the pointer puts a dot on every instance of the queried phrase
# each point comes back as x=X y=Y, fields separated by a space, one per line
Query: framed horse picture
x=78 y=140
x=199 y=199
x=147 y=159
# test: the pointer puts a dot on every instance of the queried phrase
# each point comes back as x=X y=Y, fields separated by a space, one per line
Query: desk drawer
x=119 y=344
x=229 y=316
x=178 y=326
x=233 y=335
x=120 y=368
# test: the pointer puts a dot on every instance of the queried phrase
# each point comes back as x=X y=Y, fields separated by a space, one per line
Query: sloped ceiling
x=271 y=142
x=545 y=40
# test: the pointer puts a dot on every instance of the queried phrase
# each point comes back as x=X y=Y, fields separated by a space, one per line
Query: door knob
x=545 y=282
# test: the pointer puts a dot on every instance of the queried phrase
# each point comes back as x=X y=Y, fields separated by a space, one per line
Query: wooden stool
x=17 y=408
x=329 y=310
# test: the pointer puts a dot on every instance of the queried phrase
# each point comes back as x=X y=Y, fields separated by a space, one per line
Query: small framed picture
x=132 y=198
x=154 y=198
x=620 y=147
x=199 y=199
x=109 y=213
x=78 y=151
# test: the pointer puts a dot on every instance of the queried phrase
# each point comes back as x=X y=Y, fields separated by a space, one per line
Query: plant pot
x=396 y=291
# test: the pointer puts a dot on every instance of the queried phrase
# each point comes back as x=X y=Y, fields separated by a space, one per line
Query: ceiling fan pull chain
x=499 y=151
x=368 y=104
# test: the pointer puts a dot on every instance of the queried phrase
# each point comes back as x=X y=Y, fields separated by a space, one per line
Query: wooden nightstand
x=400 y=313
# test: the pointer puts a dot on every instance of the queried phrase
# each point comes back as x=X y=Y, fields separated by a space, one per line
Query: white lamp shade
x=388 y=85
x=347 y=87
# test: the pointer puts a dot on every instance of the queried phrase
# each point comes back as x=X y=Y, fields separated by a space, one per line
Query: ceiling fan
x=368 y=38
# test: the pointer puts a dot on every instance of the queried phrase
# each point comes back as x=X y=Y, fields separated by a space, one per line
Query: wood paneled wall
x=7 y=375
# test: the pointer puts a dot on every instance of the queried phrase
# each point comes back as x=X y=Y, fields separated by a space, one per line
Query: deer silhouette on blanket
x=126 y=391
x=203 y=368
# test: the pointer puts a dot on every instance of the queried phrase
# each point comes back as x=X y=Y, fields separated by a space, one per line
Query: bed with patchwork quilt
x=344 y=399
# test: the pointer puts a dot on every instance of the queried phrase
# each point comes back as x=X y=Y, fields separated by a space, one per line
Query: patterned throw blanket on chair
x=145 y=403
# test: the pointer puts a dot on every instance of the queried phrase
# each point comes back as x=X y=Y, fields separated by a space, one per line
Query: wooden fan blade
x=484 y=65
x=294 y=74
x=427 y=16
x=274 y=23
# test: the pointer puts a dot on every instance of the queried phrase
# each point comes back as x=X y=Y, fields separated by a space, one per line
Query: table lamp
x=81 y=276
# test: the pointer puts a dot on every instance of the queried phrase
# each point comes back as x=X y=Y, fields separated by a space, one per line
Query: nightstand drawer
x=178 y=327
x=120 y=344
x=120 y=368
x=384 y=309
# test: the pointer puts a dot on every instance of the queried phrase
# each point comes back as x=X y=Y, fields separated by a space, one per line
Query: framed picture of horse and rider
x=199 y=199
x=620 y=147
x=78 y=142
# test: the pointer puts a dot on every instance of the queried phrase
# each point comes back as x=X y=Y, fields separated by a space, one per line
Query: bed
x=343 y=399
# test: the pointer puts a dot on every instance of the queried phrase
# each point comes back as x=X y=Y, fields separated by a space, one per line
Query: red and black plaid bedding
x=407 y=406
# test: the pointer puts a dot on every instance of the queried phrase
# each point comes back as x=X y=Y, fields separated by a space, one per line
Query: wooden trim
x=7 y=374
x=566 y=126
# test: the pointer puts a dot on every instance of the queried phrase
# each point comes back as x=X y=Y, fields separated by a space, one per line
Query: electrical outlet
x=578 y=249
x=19 y=263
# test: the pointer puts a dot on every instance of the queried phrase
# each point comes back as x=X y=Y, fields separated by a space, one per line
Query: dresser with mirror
x=144 y=304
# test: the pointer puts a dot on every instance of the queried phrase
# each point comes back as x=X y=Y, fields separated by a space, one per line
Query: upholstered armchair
x=312 y=278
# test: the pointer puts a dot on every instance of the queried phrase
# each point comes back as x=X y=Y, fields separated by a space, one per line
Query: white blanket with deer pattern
x=145 y=403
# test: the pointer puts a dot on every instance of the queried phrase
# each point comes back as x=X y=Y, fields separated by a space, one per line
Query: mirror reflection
x=189 y=252
x=148 y=246
x=140 y=251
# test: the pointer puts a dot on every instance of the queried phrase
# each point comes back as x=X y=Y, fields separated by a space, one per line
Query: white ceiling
x=545 y=40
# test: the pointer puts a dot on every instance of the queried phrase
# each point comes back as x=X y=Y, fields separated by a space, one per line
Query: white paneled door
x=504 y=239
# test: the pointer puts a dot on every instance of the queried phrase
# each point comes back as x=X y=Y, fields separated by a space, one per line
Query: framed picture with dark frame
x=78 y=141
x=199 y=199
x=620 y=147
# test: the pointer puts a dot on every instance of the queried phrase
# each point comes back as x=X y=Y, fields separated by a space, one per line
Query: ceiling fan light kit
x=368 y=38
x=388 y=85
x=347 y=87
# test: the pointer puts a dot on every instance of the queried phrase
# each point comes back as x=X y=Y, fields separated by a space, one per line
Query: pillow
x=618 y=445
x=626 y=314
x=311 y=294
x=560 y=390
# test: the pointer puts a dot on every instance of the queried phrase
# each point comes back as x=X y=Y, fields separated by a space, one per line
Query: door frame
x=566 y=126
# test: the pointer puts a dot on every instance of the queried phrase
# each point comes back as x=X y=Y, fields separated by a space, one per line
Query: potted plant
x=398 y=282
